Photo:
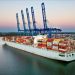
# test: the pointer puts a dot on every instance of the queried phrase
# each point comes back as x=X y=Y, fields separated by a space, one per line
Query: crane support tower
x=23 y=19
x=28 y=18
x=33 y=18
x=44 y=16
x=18 y=24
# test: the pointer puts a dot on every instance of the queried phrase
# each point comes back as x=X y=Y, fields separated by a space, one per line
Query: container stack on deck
x=42 y=43
x=56 y=44
x=28 y=40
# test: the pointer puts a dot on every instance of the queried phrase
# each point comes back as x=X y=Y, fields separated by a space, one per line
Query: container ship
x=43 y=45
x=53 y=48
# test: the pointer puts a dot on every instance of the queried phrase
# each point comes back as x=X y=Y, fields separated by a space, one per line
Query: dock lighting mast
x=18 y=24
x=33 y=18
x=28 y=18
x=23 y=19
x=44 y=16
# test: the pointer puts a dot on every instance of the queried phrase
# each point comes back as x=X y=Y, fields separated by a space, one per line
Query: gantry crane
x=23 y=19
x=34 y=30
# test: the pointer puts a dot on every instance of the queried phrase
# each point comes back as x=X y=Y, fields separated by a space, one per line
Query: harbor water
x=17 y=62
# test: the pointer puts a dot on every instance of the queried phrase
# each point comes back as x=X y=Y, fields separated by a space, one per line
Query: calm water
x=17 y=62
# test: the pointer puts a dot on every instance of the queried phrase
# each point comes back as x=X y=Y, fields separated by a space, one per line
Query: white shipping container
x=55 y=47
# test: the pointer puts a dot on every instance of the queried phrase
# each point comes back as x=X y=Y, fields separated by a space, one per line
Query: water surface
x=17 y=62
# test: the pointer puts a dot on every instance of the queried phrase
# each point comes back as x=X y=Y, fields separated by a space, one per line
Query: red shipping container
x=41 y=45
x=63 y=50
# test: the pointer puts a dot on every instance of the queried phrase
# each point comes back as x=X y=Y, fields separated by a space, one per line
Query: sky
x=59 y=14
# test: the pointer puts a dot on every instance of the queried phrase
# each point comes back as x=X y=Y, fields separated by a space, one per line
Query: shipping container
x=42 y=45
x=55 y=45
x=49 y=43
x=64 y=46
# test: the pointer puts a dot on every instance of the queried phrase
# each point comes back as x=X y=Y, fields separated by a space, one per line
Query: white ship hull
x=43 y=52
x=1 y=41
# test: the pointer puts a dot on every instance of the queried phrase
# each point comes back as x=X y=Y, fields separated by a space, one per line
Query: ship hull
x=43 y=52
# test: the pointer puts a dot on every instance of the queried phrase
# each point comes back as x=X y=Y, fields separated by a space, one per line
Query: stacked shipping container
x=58 y=44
